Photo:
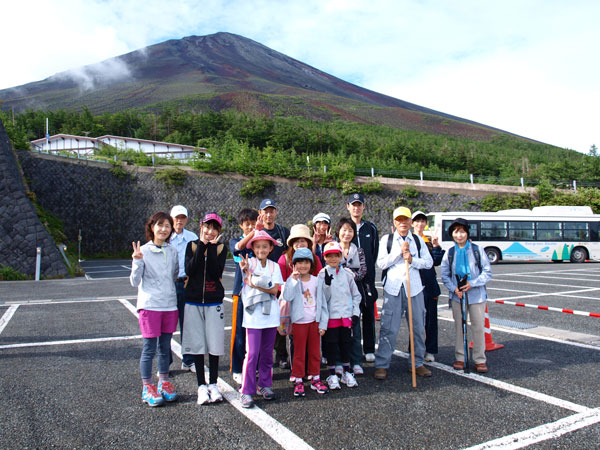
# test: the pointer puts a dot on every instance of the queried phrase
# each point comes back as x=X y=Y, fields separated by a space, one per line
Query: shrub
x=7 y=273
x=410 y=191
x=254 y=186
x=171 y=176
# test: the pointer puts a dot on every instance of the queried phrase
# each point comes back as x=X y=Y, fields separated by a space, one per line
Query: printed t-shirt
x=256 y=319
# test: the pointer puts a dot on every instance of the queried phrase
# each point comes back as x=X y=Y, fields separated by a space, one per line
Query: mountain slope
x=226 y=71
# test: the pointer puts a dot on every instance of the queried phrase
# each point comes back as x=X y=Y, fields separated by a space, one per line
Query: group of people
x=309 y=297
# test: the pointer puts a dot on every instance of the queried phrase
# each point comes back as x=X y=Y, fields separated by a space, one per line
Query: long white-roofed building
x=83 y=145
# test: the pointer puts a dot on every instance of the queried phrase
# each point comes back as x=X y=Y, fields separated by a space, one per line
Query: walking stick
x=463 y=312
x=410 y=328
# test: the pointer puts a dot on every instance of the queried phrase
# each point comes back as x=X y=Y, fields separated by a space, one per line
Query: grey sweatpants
x=394 y=307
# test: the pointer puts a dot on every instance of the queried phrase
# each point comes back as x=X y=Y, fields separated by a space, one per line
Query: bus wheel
x=493 y=255
x=579 y=255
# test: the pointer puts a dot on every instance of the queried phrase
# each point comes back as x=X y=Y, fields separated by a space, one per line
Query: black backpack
x=389 y=249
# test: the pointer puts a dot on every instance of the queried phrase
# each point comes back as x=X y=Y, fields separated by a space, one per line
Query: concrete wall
x=21 y=231
x=111 y=211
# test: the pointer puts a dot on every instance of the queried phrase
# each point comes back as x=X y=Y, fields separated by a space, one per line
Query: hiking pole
x=410 y=328
x=463 y=310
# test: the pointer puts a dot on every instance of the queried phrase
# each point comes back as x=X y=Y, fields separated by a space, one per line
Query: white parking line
x=551 y=277
x=533 y=282
x=543 y=432
x=7 y=316
x=505 y=386
x=546 y=294
x=274 y=429
x=103 y=271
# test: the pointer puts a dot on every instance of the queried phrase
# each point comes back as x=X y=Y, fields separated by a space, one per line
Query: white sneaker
x=333 y=382
x=339 y=370
x=358 y=370
x=370 y=357
x=188 y=368
x=203 y=395
x=429 y=357
x=237 y=377
x=214 y=394
x=349 y=380
x=323 y=361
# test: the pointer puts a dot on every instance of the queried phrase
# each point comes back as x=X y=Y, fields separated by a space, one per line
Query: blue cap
x=302 y=253
x=266 y=203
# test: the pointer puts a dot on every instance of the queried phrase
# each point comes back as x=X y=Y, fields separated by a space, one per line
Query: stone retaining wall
x=111 y=210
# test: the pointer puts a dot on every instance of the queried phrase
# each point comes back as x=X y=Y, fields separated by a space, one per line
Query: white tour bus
x=556 y=233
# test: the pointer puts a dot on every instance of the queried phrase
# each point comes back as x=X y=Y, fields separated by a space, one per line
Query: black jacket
x=428 y=276
x=204 y=267
x=368 y=240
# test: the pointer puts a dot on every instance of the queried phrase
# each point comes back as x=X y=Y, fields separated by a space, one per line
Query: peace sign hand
x=215 y=240
x=259 y=222
x=244 y=263
x=137 y=253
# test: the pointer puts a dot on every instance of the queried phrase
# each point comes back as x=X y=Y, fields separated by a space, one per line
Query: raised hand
x=244 y=265
x=137 y=253
x=201 y=237
x=259 y=222
x=215 y=240
x=295 y=274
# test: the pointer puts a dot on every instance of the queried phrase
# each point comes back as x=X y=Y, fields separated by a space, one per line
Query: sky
x=530 y=67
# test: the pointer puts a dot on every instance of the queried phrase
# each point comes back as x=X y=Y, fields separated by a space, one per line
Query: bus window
x=495 y=230
x=473 y=230
x=576 y=231
x=549 y=231
x=521 y=231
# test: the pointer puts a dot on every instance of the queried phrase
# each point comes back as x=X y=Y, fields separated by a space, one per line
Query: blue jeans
x=394 y=307
x=150 y=345
x=180 y=290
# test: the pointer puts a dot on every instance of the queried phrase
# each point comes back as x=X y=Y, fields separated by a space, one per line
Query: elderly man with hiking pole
x=401 y=255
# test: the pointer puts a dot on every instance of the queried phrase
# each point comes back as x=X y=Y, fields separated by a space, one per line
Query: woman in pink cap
x=262 y=279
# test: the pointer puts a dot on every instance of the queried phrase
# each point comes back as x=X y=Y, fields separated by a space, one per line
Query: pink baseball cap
x=213 y=216
x=262 y=236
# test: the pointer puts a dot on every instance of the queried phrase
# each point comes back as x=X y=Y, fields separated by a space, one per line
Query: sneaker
x=214 y=394
x=203 y=395
x=309 y=378
x=188 y=367
x=237 y=377
x=429 y=357
x=292 y=379
x=151 y=396
x=358 y=370
x=299 y=390
x=283 y=364
x=370 y=357
x=247 y=401
x=167 y=391
x=339 y=371
x=323 y=361
x=319 y=386
x=334 y=382
x=267 y=393
x=349 y=380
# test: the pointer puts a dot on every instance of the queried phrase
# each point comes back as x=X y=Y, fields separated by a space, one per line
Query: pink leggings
x=259 y=352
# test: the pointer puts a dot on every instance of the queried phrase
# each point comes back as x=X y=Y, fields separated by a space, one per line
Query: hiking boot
x=422 y=371
x=151 y=396
x=167 y=391
x=380 y=374
x=481 y=368
x=459 y=365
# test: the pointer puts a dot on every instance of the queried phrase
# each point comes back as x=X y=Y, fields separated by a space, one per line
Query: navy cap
x=356 y=198
x=266 y=203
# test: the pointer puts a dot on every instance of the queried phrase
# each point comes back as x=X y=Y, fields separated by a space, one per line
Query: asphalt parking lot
x=69 y=357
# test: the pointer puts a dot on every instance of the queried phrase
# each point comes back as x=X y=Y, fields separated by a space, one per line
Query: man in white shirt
x=179 y=240
x=392 y=257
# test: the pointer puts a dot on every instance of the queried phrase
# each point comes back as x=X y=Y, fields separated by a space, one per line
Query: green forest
x=301 y=148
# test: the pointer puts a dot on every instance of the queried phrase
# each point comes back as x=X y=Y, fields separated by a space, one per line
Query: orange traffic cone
x=489 y=342
x=376 y=312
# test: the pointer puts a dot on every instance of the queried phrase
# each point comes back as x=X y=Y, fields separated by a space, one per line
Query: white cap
x=321 y=217
x=178 y=210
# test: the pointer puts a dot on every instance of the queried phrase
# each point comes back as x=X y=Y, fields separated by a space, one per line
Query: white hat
x=321 y=217
x=178 y=210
